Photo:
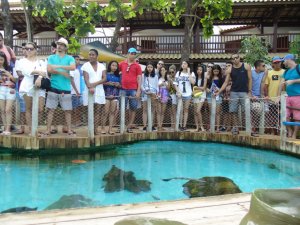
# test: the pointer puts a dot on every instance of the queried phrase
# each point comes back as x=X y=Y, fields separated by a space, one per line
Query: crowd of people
x=72 y=84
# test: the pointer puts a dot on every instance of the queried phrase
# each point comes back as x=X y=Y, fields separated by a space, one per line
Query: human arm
x=102 y=81
x=225 y=84
x=51 y=70
x=248 y=68
x=262 y=85
x=74 y=86
x=138 y=91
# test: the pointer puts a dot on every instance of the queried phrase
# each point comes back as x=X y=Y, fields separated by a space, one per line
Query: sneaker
x=145 y=129
x=223 y=129
x=153 y=129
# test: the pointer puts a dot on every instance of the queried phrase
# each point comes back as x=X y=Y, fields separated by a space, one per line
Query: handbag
x=196 y=93
x=45 y=82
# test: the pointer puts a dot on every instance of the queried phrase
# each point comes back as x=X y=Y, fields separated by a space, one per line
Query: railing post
x=248 y=115
x=149 y=113
x=178 y=113
x=282 y=120
x=213 y=114
x=122 y=114
x=35 y=111
x=91 y=125
x=262 y=118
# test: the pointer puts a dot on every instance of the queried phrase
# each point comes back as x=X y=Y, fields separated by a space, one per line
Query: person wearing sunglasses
x=159 y=65
x=131 y=75
x=241 y=88
x=272 y=93
x=26 y=68
x=172 y=92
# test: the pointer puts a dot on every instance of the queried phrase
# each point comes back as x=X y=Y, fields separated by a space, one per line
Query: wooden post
x=35 y=111
x=282 y=120
x=178 y=113
x=91 y=126
x=276 y=14
x=262 y=118
x=213 y=114
x=122 y=114
x=149 y=114
x=248 y=115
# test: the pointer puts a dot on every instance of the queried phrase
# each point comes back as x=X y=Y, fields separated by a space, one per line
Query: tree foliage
x=295 y=48
x=255 y=48
x=72 y=21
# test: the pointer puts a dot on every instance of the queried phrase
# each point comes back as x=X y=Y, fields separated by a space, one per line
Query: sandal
x=6 y=133
x=19 y=132
x=54 y=131
x=111 y=132
x=43 y=135
x=253 y=134
x=129 y=130
x=235 y=131
x=72 y=133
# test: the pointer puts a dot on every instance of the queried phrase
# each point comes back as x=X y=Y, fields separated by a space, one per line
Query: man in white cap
x=292 y=85
x=131 y=84
x=60 y=65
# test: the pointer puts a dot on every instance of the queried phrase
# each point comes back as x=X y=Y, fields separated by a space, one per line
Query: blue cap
x=132 y=50
x=289 y=56
x=276 y=59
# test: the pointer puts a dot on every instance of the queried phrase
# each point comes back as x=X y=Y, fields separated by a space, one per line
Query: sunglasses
x=209 y=66
x=29 y=49
x=132 y=53
x=263 y=65
x=127 y=70
x=237 y=57
x=172 y=72
x=276 y=62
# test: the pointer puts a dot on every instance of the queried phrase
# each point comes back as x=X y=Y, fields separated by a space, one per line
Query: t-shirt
x=112 y=90
x=292 y=89
x=150 y=84
x=76 y=76
x=257 y=82
x=27 y=67
x=129 y=75
x=59 y=81
x=239 y=77
x=184 y=84
x=273 y=81
x=94 y=76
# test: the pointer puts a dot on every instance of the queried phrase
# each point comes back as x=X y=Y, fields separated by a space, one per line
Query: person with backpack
x=291 y=84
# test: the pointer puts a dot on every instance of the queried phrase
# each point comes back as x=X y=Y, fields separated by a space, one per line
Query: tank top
x=239 y=77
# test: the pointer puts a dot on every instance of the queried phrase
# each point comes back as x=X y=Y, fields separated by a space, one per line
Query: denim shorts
x=133 y=102
x=22 y=103
x=76 y=101
x=236 y=99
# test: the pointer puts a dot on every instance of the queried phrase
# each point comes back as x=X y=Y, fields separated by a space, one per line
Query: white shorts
x=7 y=93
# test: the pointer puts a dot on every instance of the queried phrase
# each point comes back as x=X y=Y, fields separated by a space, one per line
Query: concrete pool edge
x=25 y=143
x=230 y=207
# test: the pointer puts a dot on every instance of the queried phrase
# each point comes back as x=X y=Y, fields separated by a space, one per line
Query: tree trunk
x=7 y=21
x=188 y=32
x=28 y=17
x=114 y=42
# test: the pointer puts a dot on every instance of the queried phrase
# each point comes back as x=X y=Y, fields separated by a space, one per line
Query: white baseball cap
x=63 y=41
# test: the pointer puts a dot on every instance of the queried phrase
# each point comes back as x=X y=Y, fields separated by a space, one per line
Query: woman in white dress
x=94 y=76
x=28 y=67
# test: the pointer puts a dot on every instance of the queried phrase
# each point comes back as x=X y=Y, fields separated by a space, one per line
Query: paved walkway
x=218 y=210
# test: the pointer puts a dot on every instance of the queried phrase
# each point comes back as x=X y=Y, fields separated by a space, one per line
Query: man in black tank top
x=241 y=78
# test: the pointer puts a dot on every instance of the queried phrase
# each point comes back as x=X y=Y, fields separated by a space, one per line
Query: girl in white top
x=28 y=67
x=184 y=79
x=163 y=96
x=149 y=89
x=200 y=84
x=94 y=76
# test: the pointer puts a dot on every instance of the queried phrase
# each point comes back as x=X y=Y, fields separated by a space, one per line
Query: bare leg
x=159 y=115
x=113 y=110
x=2 y=111
x=41 y=109
x=218 y=111
x=296 y=128
x=186 y=105
x=49 y=119
x=131 y=118
x=28 y=113
x=196 y=115
x=173 y=116
x=107 y=110
x=9 y=114
x=68 y=118
x=145 y=113
x=163 y=110
x=153 y=109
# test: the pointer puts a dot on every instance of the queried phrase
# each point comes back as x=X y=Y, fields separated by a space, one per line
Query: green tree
x=255 y=48
x=190 y=11
x=118 y=11
x=72 y=21
x=295 y=48
x=8 y=25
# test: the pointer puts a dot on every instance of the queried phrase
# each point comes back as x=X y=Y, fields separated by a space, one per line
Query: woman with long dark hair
x=149 y=89
x=184 y=79
x=7 y=93
x=112 y=88
x=163 y=96
x=199 y=101
x=214 y=83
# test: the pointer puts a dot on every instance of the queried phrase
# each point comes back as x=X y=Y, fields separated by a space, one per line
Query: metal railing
x=172 y=44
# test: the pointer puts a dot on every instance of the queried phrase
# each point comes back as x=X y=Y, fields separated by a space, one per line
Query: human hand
x=138 y=94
